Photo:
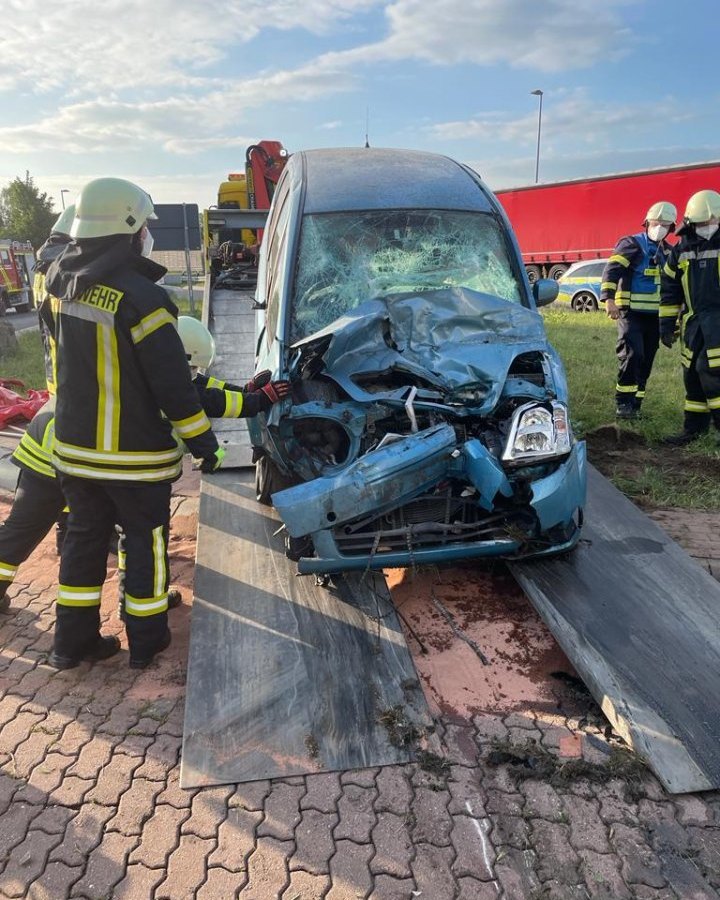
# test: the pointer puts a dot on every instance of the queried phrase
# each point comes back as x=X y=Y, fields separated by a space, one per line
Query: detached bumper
x=389 y=478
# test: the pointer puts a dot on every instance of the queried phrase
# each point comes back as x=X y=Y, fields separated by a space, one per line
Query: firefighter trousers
x=702 y=389
x=37 y=506
x=637 y=344
x=143 y=512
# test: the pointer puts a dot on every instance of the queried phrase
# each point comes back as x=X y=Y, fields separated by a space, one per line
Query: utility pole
x=538 y=93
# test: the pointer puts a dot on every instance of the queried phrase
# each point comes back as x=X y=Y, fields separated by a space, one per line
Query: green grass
x=586 y=343
x=27 y=363
x=635 y=460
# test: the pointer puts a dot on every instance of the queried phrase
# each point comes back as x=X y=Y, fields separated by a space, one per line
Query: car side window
x=277 y=251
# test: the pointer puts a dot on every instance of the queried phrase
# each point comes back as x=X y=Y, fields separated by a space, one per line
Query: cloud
x=572 y=116
x=331 y=126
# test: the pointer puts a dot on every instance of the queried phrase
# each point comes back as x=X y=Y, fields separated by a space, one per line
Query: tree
x=25 y=213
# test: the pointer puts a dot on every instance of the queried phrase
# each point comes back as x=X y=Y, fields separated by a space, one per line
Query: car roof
x=368 y=178
x=583 y=262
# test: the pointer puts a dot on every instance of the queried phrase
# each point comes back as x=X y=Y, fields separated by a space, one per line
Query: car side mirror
x=545 y=290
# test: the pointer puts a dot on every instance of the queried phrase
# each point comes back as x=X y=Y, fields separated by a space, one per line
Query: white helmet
x=64 y=221
x=702 y=207
x=662 y=211
x=108 y=206
x=197 y=341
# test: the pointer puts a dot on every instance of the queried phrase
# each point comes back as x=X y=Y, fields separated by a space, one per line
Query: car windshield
x=347 y=258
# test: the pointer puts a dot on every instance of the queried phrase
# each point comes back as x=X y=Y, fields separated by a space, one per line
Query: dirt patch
x=620 y=453
x=530 y=760
x=478 y=644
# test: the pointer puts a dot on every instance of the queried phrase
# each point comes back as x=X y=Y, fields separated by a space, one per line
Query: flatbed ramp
x=286 y=677
x=640 y=621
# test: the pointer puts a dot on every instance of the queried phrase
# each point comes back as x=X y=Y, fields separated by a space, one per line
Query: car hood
x=456 y=342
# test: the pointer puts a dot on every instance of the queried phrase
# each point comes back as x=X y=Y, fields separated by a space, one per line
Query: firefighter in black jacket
x=123 y=385
x=690 y=293
x=631 y=291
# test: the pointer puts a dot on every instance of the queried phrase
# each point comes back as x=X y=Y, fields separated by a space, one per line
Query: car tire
x=534 y=273
x=558 y=270
x=584 y=301
x=268 y=480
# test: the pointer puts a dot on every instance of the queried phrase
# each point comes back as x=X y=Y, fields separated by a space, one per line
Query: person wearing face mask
x=690 y=309
x=631 y=291
x=123 y=388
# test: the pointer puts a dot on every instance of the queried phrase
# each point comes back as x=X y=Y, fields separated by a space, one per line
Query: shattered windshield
x=347 y=258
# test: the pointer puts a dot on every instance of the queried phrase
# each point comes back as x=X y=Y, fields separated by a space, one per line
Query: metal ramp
x=640 y=621
x=232 y=322
x=286 y=677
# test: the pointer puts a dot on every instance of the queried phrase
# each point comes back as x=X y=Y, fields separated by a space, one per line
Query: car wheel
x=585 y=301
x=268 y=480
x=533 y=273
x=557 y=271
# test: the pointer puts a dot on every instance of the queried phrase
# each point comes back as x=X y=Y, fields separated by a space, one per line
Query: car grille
x=429 y=521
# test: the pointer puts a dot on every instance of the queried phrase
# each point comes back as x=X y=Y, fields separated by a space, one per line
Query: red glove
x=258 y=381
x=272 y=393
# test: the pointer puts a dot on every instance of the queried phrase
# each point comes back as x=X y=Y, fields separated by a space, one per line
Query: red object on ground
x=14 y=407
x=567 y=221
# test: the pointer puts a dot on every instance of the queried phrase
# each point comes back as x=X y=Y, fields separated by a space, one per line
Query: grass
x=631 y=454
x=27 y=364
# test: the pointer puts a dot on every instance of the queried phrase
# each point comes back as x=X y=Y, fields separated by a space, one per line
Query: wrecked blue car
x=429 y=420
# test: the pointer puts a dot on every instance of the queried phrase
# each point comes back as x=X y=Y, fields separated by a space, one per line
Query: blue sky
x=170 y=92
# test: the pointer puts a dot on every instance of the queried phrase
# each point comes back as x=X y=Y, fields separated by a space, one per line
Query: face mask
x=706 y=231
x=657 y=232
x=147 y=243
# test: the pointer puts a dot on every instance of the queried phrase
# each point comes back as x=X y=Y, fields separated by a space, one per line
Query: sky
x=169 y=93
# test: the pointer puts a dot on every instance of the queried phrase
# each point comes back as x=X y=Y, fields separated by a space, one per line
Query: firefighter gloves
x=258 y=381
x=212 y=463
x=668 y=334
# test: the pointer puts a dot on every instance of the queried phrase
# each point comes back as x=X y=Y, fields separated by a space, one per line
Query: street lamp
x=538 y=93
x=62 y=196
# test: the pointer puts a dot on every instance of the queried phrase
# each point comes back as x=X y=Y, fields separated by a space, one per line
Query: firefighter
x=631 y=291
x=219 y=399
x=690 y=309
x=123 y=385
x=38 y=499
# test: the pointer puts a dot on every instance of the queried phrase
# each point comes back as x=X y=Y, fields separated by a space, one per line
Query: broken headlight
x=538 y=432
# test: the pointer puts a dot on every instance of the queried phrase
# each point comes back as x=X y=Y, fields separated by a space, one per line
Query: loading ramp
x=287 y=677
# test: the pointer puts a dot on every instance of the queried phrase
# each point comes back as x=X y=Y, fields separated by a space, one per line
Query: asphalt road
x=22 y=320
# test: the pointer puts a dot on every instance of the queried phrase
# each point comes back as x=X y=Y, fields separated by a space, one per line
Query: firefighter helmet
x=702 y=207
x=197 y=341
x=110 y=206
x=662 y=211
x=64 y=221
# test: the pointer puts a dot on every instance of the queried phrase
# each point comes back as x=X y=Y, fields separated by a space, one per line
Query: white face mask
x=657 y=232
x=148 y=243
x=706 y=231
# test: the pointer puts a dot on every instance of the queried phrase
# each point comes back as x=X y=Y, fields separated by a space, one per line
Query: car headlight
x=538 y=432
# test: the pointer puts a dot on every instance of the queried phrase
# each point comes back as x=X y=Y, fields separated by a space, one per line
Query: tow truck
x=233 y=229
x=17 y=259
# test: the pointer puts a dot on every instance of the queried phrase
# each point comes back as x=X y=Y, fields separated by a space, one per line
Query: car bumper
x=556 y=501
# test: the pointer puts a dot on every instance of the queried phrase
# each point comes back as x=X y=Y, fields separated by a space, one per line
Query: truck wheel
x=268 y=480
x=557 y=271
x=533 y=273
x=585 y=301
x=3 y=304
x=23 y=307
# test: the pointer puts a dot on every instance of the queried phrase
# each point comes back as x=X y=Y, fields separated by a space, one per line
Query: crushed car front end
x=429 y=419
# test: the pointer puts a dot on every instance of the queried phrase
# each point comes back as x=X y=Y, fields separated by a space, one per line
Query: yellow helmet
x=64 y=220
x=662 y=211
x=197 y=341
x=702 y=207
x=109 y=206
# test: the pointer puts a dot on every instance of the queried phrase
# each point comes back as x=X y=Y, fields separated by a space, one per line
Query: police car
x=580 y=285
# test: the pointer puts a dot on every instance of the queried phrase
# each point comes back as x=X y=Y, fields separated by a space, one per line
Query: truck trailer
x=567 y=221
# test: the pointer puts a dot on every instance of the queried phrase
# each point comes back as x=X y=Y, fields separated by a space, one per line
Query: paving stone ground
x=90 y=804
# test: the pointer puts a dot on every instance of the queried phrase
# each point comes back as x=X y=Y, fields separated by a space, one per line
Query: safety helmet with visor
x=110 y=206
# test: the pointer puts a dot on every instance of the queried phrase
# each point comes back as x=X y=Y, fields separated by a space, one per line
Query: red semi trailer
x=561 y=223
